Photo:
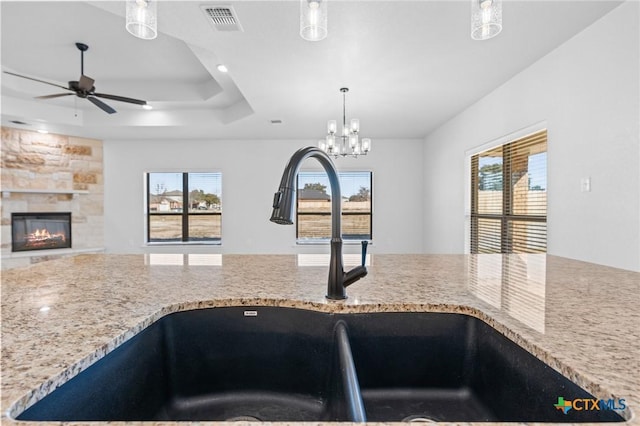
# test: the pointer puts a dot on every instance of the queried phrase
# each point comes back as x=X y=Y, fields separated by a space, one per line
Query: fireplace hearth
x=40 y=231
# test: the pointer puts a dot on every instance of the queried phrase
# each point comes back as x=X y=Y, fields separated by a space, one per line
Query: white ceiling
x=410 y=65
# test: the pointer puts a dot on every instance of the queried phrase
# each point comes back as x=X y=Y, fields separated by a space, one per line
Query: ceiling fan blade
x=85 y=83
x=35 y=79
x=120 y=98
x=57 y=95
x=97 y=102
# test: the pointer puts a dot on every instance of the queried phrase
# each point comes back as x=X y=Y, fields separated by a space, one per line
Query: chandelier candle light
x=486 y=19
x=142 y=18
x=349 y=142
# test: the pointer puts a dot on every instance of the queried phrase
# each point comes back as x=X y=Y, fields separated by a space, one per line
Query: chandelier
x=348 y=142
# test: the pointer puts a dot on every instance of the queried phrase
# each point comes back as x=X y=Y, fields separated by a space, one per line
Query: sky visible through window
x=538 y=170
x=210 y=183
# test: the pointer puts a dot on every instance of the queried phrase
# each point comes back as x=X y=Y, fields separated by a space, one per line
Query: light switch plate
x=585 y=184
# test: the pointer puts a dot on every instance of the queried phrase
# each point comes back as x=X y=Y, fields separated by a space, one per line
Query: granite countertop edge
x=158 y=306
x=50 y=385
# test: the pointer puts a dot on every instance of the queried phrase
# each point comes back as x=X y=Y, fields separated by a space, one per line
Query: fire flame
x=44 y=234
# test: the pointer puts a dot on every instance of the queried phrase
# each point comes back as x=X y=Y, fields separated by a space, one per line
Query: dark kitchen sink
x=283 y=364
x=213 y=364
x=455 y=368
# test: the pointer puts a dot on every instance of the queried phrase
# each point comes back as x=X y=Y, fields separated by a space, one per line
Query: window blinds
x=509 y=197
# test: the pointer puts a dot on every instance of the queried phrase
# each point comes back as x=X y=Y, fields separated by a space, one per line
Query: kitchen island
x=59 y=317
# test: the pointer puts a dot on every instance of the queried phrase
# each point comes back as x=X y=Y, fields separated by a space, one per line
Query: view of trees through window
x=509 y=197
x=173 y=216
x=314 y=206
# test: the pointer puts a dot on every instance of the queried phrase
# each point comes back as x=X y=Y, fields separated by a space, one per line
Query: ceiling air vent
x=223 y=18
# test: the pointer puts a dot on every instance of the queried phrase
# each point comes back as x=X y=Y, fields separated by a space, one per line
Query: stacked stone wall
x=51 y=173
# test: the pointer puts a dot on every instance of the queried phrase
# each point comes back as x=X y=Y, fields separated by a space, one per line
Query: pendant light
x=486 y=19
x=142 y=18
x=313 y=19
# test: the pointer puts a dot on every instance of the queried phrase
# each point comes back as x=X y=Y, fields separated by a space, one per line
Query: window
x=184 y=207
x=313 y=221
x=509 y=197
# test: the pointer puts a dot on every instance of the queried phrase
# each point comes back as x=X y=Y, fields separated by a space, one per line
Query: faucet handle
x=359 y=271
x=364 y=251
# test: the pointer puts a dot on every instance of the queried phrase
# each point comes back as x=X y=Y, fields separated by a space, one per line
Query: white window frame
x=502 y=140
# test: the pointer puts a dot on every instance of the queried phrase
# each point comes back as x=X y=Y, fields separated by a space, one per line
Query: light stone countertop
x=59 y=317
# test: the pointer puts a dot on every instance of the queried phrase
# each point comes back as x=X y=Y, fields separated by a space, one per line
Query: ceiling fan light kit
x=142 y=18
x=84 y=88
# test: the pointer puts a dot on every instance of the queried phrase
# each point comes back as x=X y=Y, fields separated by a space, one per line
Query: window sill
x=182 y=243
x=327 y=241
x=325 y=259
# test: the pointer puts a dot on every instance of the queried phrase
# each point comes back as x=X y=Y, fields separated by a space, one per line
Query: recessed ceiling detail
x=223 y=18
x=273 y=73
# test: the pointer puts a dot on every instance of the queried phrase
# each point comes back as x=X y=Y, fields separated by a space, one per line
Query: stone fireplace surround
x=51 y=173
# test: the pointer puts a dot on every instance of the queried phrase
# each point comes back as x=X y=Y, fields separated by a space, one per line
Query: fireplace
x=40 y=231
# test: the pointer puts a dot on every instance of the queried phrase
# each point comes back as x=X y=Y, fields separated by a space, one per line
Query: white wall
x=251 y=172
x=587 y=91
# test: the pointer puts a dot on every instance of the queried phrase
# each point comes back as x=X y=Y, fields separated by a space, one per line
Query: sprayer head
x=283 y=206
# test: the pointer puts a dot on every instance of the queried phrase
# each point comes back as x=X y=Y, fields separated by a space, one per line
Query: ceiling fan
x=84 y=87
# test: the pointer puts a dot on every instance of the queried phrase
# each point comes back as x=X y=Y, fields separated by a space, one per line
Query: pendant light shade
x=142 y=18
x=486 y=19
x=313 y=19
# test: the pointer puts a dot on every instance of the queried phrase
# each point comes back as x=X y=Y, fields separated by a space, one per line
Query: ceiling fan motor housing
x=75 y=86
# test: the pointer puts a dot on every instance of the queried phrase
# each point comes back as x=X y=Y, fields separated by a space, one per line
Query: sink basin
x=283 y=364
x=455 y=368
x=215 y=364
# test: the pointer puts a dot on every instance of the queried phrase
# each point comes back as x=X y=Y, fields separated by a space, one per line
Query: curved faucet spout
x=283 y=213
x=284 y=199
